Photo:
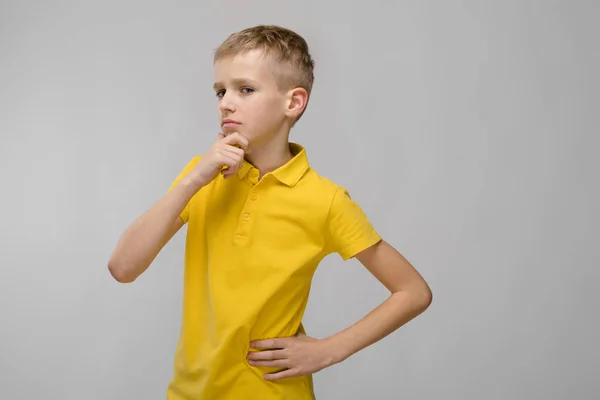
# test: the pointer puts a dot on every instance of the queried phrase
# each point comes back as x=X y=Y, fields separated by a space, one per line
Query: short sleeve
x=185 y=214
x=348 y=228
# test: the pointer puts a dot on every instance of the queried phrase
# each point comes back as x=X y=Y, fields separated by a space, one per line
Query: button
x=254 y=196
x=246 y=217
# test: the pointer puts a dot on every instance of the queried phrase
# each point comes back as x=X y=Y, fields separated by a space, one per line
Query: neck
x=270 y=155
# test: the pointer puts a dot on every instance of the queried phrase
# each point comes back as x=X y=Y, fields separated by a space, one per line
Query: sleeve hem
x=351 y=251
x=185 y=214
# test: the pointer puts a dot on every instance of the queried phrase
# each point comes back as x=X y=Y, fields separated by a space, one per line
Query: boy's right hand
x=228 y=151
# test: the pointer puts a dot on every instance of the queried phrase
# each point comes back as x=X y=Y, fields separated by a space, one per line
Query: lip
x=229 y=122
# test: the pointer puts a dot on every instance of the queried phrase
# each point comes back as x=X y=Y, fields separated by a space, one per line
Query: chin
x=229 y=131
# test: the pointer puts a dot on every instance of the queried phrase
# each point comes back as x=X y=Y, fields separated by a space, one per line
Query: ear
x=297 y=100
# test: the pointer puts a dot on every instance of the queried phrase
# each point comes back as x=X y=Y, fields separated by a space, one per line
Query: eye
x=247 y=90
x=220 y=93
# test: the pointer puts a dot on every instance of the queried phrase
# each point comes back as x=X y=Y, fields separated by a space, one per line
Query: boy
x=260 y=220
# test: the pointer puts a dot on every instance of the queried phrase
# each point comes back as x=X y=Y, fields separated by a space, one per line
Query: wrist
x=192 y=183
x=335 y=349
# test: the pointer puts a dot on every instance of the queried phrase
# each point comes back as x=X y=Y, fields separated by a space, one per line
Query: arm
x=350 y=233
x=146 y=236
x=301 y=354
x=410 y=296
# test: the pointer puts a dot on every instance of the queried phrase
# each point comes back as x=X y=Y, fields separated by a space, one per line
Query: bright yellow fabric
x=251 y=250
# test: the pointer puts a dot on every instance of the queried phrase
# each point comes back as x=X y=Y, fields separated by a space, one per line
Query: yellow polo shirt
x=251 y=251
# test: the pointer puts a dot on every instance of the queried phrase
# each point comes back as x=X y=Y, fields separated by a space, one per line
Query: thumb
x=221 y=136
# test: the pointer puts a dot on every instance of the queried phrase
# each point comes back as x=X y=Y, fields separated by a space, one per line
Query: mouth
x=229 y=123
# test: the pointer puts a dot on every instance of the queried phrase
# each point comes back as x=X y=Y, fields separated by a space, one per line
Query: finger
x=221 y=136
x=227 y=173
x=266 y=355
x=234 y=153
x=286 y=373
x=270 y=363
x=228 y=163
x=227 y=159
x=277 y=343
x=236 y=138
x=235 y=150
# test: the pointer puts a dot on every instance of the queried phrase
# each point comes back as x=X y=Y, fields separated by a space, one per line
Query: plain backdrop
x=466 y=130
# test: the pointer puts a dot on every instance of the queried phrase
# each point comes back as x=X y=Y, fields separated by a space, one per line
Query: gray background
x=467 y=131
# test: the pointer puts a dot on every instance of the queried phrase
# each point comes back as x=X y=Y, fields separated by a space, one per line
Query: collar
x=288 y=174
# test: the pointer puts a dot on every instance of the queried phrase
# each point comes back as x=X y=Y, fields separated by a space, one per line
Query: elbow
x=427 y=297
x=119 y=272
x=424 y=296
x=421 y=296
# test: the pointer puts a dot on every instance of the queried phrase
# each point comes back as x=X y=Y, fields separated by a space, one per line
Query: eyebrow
x=237 y=82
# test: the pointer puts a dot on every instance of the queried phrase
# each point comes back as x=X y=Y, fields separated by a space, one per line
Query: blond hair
x=295 y=66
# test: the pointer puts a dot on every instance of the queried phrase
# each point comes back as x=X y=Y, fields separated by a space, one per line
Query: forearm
x=395 y=311
x=145 y=237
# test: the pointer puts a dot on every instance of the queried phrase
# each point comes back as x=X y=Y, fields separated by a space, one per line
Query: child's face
x=247 y=93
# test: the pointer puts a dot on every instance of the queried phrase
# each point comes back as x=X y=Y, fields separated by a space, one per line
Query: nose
x=226 y=103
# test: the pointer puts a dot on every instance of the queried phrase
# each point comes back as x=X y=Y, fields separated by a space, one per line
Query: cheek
x=270 y=110
x=262 y=113
x=258 y=115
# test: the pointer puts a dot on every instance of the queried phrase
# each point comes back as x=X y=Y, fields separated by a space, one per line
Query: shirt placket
x=248 y=215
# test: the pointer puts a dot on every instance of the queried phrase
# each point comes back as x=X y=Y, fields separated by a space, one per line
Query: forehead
x=252 y=65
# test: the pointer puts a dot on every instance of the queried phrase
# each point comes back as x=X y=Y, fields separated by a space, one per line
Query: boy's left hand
x=297 y=355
